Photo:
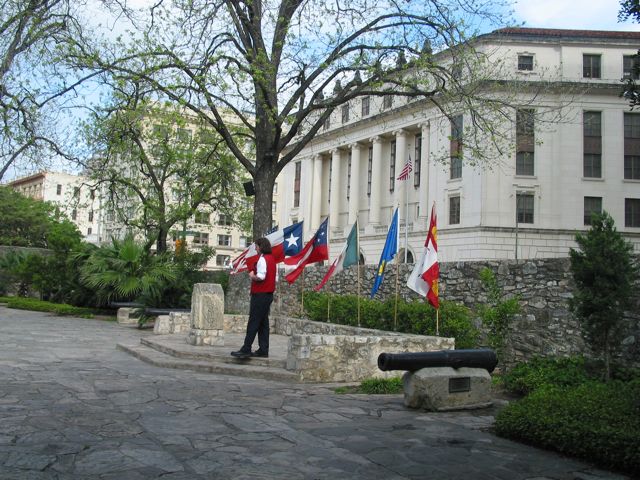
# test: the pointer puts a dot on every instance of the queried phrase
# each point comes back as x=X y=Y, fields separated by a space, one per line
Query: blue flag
x=388 y=252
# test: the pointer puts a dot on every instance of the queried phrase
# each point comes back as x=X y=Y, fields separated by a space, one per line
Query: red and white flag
x=425 y=275
x=406 y=170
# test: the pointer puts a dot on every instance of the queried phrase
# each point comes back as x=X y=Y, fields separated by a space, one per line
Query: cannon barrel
x=473 y=358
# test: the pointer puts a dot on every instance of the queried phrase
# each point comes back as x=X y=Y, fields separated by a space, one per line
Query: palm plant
x=124 y=271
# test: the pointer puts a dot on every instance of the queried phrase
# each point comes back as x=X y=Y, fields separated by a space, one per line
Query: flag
x=284 y=242
x=406 y=170
x=388 y=252
x=348 y=256
x=314 y=251
x=424 y=277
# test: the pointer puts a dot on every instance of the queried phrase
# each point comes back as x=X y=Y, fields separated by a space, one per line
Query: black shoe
x=241 y=354
x=259 y=354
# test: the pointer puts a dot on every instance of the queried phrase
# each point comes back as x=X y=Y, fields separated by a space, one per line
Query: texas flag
x=314 y=251
x=284 y=242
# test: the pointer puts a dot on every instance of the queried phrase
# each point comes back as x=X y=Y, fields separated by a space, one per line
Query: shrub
x=33 y=304
x=416 y=317
x=525 y=378
x=599 y=422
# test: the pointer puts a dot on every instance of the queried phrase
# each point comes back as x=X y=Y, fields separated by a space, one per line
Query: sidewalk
x=72 y=406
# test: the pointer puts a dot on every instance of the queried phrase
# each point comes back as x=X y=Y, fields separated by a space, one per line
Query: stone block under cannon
x=444 y=380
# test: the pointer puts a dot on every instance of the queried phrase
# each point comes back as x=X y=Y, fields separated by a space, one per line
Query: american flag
x=406 y=170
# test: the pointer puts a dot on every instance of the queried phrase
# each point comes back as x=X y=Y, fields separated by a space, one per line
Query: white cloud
x=585 y=15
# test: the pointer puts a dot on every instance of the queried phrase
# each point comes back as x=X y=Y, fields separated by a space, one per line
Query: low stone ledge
x=124 y=316
x=351 y=358
x=445 y=388
x=175 y=322
x=289 y=326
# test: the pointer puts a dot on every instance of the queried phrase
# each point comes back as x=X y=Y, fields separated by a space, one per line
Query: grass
x=374 y=386
x=33 y=304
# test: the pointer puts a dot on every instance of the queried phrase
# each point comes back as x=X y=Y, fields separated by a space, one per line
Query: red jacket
x=268 y=285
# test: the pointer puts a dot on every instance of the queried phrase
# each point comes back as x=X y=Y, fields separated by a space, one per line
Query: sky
x=572 y=14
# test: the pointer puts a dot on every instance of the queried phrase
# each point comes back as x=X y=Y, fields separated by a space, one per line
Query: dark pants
x=258 y=322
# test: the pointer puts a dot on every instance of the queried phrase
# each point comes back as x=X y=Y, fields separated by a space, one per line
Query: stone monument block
x=447 y=388
x=124 y=316
x=207 y=315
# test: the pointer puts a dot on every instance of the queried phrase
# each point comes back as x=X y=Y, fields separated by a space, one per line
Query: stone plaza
x=72 y=406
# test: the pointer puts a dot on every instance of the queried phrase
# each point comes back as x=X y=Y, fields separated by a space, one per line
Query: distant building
x=530 y=205
x=71 y=194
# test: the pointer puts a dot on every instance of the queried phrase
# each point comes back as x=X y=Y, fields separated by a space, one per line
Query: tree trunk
x=161 y=242
x=263 y=181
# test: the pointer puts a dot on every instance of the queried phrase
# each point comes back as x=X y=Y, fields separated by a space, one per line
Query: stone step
x=213 y=354
x=245 y=369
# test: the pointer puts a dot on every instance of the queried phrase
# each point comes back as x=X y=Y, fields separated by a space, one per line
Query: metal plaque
x=459 y=384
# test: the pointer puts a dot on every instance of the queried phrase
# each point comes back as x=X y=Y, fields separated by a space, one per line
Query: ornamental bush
x=22 y=303
x=416 y=317
x=599 y=422
x=527 y=377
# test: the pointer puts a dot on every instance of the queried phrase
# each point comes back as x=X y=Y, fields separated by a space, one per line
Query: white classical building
x=585 y=157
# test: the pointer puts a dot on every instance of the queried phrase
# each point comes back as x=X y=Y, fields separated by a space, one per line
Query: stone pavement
x=72 y=406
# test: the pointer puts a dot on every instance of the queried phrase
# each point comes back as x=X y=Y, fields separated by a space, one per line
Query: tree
x=604 y=273
x=25 y=222
x=157 y=166
x=631 y=91
x=31 y=33
x=270 y=64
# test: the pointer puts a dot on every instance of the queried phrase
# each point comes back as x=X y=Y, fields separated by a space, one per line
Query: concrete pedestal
x=446 y=388
x=207 y=315
x=124 y=316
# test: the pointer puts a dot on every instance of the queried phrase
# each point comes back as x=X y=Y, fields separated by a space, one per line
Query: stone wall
x=545 y=327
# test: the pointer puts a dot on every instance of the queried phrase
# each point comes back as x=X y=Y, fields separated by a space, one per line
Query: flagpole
x=406 y=217
x=328 y=307
x=302 y=296
x=395 y=312
x=437 y=322
x=358 y=265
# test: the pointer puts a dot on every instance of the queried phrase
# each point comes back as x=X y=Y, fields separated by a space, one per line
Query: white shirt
x=261 y=268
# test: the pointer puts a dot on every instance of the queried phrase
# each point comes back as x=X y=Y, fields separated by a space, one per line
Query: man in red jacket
x=263 y=284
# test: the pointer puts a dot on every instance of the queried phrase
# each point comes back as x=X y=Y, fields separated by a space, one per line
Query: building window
x=327 y=123
x=296 y=185
x=245 y=242
x=454 y=210
x=58 y=189
x=76 y=192
x=524 y=208
x=632 y=146
x=111 y=216
x=387 y=101
x=74 y=214
x=455 y=168
x=628 y=64
x=591 y=66
x=183 y=135
x=592 y=144
x=205 y=217
x=369 y=170
x=632 y=212
x=91 y=215
x=275 y=188
x=365 y=106
x=273 y=207
x=224 y=220
x=224 y=240
x=89 y=231
x=349 y=176
x=330 y=178
x=223 y=260
x=92 y=194
x=392 y=167
x=591 y=205
x=201 y=238
x=345 y=113
x=525 y=141
x=418 y=158
x=525 y=63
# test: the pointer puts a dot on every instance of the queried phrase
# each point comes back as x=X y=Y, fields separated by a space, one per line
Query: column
x=376 y=177
x=336 y=190
x=316 y=196
x=423 y=193
x=354 y=189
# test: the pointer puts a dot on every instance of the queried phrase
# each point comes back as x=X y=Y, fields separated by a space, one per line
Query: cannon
x=473 y=358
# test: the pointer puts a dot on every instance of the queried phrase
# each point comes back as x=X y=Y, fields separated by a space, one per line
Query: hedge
x=598 y=422
x=23 y=303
